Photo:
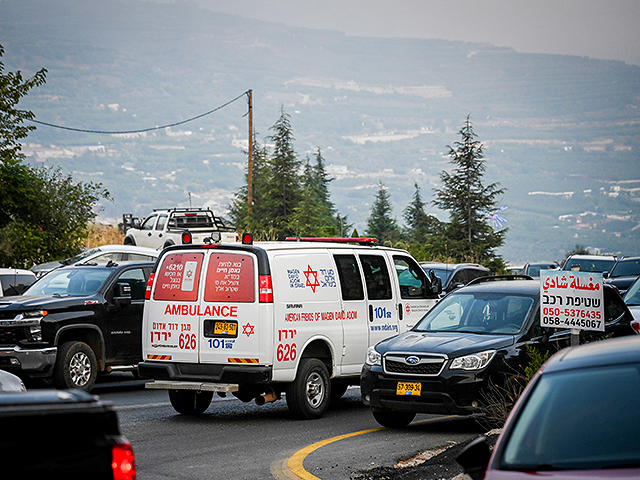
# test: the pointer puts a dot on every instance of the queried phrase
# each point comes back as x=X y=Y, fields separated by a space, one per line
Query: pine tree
x=284 y=185
x=424 y=232
x=468 y=200
x=381 y=223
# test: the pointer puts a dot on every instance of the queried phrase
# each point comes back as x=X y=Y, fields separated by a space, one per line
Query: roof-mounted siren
x=357 y=240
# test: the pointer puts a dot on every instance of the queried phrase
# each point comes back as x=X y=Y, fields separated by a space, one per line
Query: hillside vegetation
x=561 y=132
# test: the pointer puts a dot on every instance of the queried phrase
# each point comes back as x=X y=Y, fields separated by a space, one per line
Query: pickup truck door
x=123 y=325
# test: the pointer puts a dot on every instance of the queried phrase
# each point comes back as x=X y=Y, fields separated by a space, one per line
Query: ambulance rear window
x=178 y=277
x=230 y=278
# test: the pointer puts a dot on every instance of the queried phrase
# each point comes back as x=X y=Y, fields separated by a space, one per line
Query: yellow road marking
x=296 y=461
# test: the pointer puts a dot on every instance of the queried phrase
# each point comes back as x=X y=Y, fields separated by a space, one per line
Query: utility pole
x=250 y=166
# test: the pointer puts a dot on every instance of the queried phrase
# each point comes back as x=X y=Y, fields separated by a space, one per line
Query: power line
x=144 y=129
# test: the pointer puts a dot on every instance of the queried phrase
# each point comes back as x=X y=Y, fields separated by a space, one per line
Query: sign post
x=573 y=300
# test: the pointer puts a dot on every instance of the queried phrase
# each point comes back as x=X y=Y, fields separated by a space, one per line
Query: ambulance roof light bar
x=358 y=240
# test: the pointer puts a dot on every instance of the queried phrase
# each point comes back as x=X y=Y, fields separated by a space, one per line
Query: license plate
x=408 y=388
x=225 y=328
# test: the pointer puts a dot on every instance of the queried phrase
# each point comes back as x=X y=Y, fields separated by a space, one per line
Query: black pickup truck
x=75 y=322
x=62 y=434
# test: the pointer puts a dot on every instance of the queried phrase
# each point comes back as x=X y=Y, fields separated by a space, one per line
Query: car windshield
x=589 y=265
x=626 y=267
x=71 y=282
x=485 y=313
x=632 y=296
x=578 y=420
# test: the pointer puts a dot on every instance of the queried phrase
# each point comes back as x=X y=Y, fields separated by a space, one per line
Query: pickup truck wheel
x=189 y=402
x=76 y=367
x=309 y=394
x=390 y=419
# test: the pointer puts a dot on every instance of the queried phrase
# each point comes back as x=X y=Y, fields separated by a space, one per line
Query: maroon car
x=577 y=419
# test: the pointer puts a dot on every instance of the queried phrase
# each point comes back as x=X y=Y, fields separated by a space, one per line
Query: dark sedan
x=472 y=338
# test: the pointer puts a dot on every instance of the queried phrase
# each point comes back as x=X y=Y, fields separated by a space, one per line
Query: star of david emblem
x=308 y=273
x=248 y=330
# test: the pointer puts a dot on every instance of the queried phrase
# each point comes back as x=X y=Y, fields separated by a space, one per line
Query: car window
x=138 y=257
x=107 y=257
x=568 y=422
x=162 y=220
x=412 y=280
x=494 y=313
x=589 y=265
x=137 y=280
x=349 y=275
x=627 y=267
x=632 y=297
x=376 y=276
x=149 y=223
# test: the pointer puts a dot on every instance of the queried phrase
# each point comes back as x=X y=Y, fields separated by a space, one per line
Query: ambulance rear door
x=233 y=329
x=171 y=326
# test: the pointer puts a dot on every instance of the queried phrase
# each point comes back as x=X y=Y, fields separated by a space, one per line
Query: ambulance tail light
x=265 y=289
x=147 y=292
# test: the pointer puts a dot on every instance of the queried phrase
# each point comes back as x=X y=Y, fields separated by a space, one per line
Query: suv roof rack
x=497 y=278
x=358 y=240
x=183 y=209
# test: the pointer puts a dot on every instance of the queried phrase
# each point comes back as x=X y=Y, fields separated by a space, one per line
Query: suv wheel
x=76 y=367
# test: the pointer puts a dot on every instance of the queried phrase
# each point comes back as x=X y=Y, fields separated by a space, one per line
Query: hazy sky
x=606 y=29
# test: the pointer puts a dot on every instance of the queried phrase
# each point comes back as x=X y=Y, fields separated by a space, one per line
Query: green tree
x=381 y=223
x=254 y=219
x=469 y=236
x=44 y=215
x=424 y=232
x=284 y=184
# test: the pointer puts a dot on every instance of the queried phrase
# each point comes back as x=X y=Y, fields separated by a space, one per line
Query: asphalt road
x=237 y=440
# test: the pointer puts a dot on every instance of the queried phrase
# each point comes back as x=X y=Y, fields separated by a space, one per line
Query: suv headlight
x=30 y=314
x=373 y=357
x=472 y=362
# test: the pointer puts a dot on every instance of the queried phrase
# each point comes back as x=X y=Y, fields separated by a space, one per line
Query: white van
x=261 y=319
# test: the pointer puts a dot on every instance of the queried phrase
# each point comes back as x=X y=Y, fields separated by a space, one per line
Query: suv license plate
x=408 y=388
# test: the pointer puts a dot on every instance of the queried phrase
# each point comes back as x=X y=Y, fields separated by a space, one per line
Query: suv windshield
x=72 y=282
x=567 y=423
x=626 y=267
x=493 y=313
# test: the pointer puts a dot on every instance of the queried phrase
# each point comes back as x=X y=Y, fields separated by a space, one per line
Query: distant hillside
x=561 y=132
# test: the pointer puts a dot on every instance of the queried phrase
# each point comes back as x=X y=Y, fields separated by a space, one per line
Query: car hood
x=451 y=344
x=20 y=303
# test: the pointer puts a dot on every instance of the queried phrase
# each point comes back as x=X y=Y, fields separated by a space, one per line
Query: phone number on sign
x=571 y=322
x=572 y=313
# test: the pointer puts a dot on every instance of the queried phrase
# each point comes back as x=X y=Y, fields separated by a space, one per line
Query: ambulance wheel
x=76 y=367
x=390 y=419
x=309 y=394
x=189 y=402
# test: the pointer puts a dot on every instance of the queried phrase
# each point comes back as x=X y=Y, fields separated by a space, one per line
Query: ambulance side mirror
x=436 y=283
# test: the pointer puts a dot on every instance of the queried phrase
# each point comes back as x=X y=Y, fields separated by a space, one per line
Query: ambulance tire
x=189 y=402
x=309 y=395
x=390 y=419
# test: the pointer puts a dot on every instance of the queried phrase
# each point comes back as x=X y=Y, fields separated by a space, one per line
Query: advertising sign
x=571 y=300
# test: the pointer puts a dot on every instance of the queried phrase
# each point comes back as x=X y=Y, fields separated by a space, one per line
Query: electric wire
x=103 y=132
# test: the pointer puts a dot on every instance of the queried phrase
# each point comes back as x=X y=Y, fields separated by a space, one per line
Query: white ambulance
x=259 y=320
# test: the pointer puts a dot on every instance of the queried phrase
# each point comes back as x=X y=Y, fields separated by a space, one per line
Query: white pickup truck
x=177 y=226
